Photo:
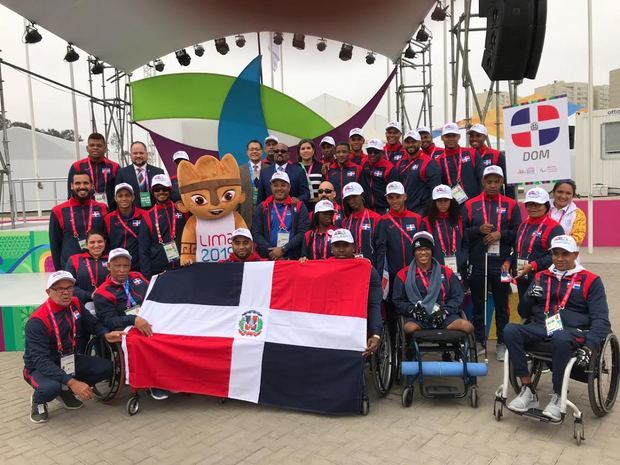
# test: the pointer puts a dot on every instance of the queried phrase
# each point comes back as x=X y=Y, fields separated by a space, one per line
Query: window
x=610 y=140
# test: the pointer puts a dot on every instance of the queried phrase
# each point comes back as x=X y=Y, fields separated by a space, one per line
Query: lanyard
x=452 y=249
x=281 y=218
x=94 y=278
x=130 y=300
x=124 y=225
x=90 y=220
x=358 y=238
x=95 y=175
x=307 y=170
x=73 y=325
x=458 y=170
x=315 y=236
x=172 y=225
x=532 y=240
x=406 y=168
x=422 y=276
x=486 y=217
x=400 y=228
x=567 y=294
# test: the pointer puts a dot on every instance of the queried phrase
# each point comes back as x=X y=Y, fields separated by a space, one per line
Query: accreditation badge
x=450 y=261
x=459 y=194
x=101 y=197
x=521 y=264
x=493 y=249
x=553 y=324
x=82 y=243
x=283 y=238
x=133 y=310
x=172 y=253
x=67 y=364
x=145 y=200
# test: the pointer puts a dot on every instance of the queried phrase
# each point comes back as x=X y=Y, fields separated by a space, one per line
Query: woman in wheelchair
x=566 y=305
x=427 y=294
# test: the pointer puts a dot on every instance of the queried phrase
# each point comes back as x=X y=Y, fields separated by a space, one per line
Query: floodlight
x=221 y=46
x=183 y=57
x=199 y=50
x=370 y=58
x=439 y=13
x=71 y=54
x=278 y=38
x=299 y=41
x=321 y=45
x=159 y=65
x=32 y=34
x=97 y=67
x=346 y=52
x=409 y=52
x=240 y=40
x=423 y=35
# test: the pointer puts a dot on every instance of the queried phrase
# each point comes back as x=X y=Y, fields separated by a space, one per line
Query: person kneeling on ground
x=51 y=365
x=243 y=247
x=561 y=304
x=427 y=294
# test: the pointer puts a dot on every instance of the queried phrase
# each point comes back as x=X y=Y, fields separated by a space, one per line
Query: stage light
x=71 y=54
x=346 y=52
x=199 y=50
x=159 y=65
x=299 y=41
x=321 y=45
x=423 y=35
x=32 y=34
x=278 y=38
x=97 y=67
x=409 y=53
x=439 y=13
x=183 y=57
x=221 y=46
x=370 y=58
x=240 y=40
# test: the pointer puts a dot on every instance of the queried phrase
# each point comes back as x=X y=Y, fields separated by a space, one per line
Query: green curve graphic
x=202 y=95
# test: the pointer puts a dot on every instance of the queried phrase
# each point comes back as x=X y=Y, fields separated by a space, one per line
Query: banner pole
x=589 y=138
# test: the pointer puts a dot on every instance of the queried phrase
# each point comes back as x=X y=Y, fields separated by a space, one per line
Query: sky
x=309 y=73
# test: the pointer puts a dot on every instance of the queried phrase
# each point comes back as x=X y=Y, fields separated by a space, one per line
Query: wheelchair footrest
x=441 y=391
x=537 y=414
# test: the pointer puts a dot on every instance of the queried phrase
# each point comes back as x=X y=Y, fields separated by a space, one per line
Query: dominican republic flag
x=277 y=333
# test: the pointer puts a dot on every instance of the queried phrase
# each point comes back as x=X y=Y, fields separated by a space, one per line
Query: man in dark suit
x=250 y=175
x=139 y=175
x=296 y=174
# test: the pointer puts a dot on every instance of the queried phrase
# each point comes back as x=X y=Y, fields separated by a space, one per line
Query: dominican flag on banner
x=277 y=333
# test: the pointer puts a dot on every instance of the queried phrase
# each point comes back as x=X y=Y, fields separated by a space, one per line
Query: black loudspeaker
x=514 y=38
x=483 y=7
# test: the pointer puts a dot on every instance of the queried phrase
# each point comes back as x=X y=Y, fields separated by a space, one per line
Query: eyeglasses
x=62 y=290
x=325 y=191
x=280 y=151
x=160 y=189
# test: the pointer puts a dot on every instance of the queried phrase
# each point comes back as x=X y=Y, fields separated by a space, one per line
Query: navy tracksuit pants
x=500 y=292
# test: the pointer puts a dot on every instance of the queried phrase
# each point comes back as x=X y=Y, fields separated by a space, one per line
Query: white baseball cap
x=59 y=276
x=564 y=242
x=442 y=192
x=450 y=128
x=415 y=135
x=328 y=140
x=493 y=169
x=323 y=206
x=537 y=195
x=123 y=185
x=180 y=155
x=273 y=138
x=281 y=175
x=242 y=232
x=394 y=187
x=395 y=125
x=424 y=129
x=119 y=252
x=478 y=128
x=353 y=188
x=375 y=144
x=342 y=235
x=161 y=180
x=356 y=132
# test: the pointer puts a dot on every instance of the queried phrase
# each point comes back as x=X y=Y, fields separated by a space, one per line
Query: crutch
x=486 y=299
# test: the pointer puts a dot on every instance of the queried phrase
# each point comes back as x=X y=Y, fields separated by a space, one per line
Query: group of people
x=435 y=221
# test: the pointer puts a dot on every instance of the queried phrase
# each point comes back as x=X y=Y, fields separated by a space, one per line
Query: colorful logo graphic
x=535 y=126
x=251 y=323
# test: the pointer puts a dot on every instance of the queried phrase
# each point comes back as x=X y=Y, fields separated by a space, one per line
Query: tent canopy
x=128 y=34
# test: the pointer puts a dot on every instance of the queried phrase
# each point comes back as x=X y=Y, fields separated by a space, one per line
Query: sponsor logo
x=251 y=323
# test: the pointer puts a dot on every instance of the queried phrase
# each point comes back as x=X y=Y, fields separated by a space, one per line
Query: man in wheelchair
x=427 y=294
x=566 y=305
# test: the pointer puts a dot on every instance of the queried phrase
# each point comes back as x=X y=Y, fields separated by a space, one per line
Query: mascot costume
x=211 y=191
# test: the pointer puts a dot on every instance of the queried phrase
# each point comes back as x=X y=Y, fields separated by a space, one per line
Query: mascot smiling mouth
x=216 y=212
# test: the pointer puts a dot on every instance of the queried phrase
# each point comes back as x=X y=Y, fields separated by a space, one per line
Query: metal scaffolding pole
x=5 y=159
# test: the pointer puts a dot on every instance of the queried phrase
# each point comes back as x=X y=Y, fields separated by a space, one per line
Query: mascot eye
x=228 y=196
x=199 y=200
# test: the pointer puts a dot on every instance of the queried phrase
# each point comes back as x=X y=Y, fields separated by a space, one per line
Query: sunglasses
x=160 y=189
x=325 y=191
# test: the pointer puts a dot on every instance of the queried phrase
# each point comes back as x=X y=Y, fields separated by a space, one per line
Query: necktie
x=141 y=179
x=256 y=173
x=281 y=168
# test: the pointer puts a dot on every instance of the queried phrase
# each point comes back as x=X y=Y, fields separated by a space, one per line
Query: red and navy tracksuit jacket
x=499 y=209
x=397 y=229
x=316 y=245
x=153 y=258
x=341 y=175
x=124 y=231
x=254 y=257
x=102 y=174
x=374 y=179
x=450 y=297
x=430 y=151
x=41 y=349
x=419 y=175
x=261 y=227
x=449 y=240
x=358 y=159
x=586 y=308
x=112 y=300
x=89 y=274
x=369 y=240
x=488 y=156
x=449 y=163
x=394 y=152
x=69 y=223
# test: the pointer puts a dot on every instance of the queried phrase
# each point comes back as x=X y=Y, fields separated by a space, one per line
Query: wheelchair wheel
x=406 y=397
x=133 y=405
x=365 y=408
x=536 y=367
x=603 y=377
x=473 y=396
x=382 y=364
x=107 y=390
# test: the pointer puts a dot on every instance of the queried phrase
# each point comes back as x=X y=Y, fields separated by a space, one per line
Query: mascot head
x=210 y=189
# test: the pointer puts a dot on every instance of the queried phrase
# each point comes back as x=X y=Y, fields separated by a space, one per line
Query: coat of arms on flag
x=273 y=333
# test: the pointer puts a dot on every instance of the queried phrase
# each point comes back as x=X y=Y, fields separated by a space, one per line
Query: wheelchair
x=601 y=376
x=417 y=363
x=108 y=390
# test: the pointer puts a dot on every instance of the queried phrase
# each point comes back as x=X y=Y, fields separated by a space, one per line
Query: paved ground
x=188 y=430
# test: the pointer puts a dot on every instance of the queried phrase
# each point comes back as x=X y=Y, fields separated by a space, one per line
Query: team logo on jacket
x=136 y=223
x=251 y=323
x=486 y=162
x=104 y=263
x=410 y=227
x=466 y=158
x=377 y=173
x=350 y=173
x=415 y=167
x=96 y=214
x=137 y=281
x=178 y=215
x=366 y=227
x=577 y=285
x=105 y=171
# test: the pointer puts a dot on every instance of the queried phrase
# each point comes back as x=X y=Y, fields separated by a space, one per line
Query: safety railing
x=33 y=196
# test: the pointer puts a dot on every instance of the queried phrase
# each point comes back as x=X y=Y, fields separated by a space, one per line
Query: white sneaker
x=481 y=349
x=552 y=410
x=500 y=352
x=524 y=401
